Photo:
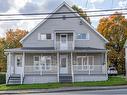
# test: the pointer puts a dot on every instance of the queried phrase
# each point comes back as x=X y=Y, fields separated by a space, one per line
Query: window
x=36 y=63
x=48 y=36
x=19 y=61
x=44 y=36
x=36 y=58
x=84 y=61
x=46 y=62
x=84 y=36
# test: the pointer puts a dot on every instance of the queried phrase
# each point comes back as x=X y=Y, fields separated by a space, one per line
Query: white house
x=59 y=50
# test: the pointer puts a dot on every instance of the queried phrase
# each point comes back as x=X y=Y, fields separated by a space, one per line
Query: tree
x=11 y=40
x=81 y=13
x=114 y=28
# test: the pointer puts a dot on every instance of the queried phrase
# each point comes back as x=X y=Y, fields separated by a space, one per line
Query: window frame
x=35 y=64
x=87 y=36
x=21 y=57
x=82 y=63
x=40 y=38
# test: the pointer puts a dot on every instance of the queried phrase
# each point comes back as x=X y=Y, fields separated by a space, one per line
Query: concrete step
x=14 y=79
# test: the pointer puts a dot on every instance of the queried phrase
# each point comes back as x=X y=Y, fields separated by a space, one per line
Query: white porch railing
x=70 y=45
x=90 y=69
x=31 y=69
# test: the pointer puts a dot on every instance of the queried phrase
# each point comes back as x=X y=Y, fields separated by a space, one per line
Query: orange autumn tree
x=13 y=37
x=114 y=28
x=11 y=40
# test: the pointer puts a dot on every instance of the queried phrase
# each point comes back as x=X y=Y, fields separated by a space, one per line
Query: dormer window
x=82 y=36
x=42 y=36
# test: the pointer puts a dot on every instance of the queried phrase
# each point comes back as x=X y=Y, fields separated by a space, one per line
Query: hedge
x=2 y=78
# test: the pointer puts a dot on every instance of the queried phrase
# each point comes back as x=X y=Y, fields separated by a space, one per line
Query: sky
x=36 y=6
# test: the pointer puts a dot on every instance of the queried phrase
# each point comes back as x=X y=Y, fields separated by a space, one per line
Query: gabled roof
x=64 y=4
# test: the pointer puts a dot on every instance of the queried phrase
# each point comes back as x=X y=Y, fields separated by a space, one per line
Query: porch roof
x=52 y=50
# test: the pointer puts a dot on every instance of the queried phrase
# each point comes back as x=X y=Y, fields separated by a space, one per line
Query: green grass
x=113 y=81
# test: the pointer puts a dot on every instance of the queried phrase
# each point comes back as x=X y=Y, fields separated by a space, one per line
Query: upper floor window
x=82 y=36
x=42 y=36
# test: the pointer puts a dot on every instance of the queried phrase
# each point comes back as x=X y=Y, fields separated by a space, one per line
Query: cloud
x=17 y=4
x=122 y=3
x=4 y=5
x=96 y=1
x=30 y=7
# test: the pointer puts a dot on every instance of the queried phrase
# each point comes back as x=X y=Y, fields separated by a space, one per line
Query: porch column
x=126 y=61
x=72 y=70
x=23 y=63
x=88 y=65
x=8 y=67
x=9 y=63
x=106 y=63
x=58 y=66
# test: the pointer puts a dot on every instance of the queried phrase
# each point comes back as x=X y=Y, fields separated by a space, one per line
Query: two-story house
x=66 y=49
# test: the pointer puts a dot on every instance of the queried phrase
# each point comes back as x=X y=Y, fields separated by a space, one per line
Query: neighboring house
x=125 y=46
x=59 y=50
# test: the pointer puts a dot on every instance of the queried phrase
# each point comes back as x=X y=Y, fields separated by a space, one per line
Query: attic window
x=42 y=36
x=64 y=17
x=82 y=36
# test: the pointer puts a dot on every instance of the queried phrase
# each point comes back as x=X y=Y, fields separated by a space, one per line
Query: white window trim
x=39 y=36
x=34 y=63
x=50 y=65
x=16 y=59
x=87 y=34
x=66 y=40
x=45 y=68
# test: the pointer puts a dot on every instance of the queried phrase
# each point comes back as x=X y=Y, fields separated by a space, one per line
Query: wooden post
x=23 y=63
x=106 y=64
x=8 y=67
x=126 y=61
x=58 y=66
x=9 y=63
x=72 y=70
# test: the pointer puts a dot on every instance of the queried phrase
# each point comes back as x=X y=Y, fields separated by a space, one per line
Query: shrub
x=2 y=78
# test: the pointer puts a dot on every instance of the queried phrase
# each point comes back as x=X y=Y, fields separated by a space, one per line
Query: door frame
x=17 y=66
x=66 y=40
x=67 y=67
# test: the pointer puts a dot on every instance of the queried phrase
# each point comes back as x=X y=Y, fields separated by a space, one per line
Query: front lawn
x=113 y=81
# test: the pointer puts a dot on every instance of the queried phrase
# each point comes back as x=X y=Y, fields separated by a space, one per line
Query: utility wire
x=60 y=12
x=69 y=17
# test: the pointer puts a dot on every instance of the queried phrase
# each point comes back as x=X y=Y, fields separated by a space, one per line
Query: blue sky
x=29 y=6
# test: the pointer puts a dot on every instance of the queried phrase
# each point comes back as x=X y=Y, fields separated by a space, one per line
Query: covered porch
x=39 y=62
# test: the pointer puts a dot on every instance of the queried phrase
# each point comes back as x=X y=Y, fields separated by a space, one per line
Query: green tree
x=81 y=13
x=114 y=28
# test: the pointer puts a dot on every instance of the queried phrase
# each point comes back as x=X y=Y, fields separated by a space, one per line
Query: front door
x=63 y=42
x=63 y=64
x=18 y=64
